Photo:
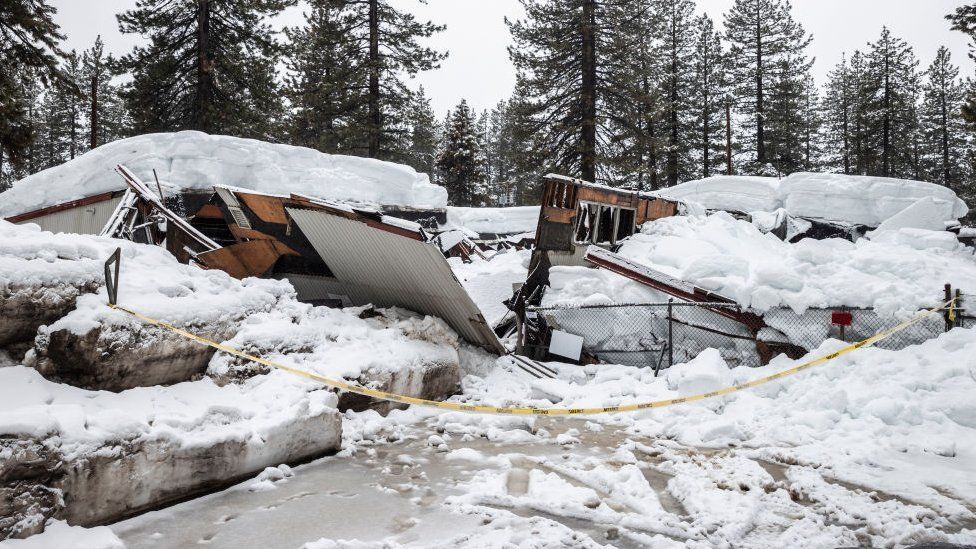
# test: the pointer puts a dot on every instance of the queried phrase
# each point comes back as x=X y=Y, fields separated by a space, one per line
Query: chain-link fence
x=966 y=315
x=657 y=335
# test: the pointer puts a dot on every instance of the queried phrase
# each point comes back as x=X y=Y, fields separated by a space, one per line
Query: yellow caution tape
x=502 y=410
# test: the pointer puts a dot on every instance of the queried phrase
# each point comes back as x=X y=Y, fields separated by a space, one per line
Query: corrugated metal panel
x=89 y=219
x=385 y=269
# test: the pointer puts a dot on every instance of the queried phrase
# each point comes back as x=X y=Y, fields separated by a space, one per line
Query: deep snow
x=864 y=200
x=198 y=161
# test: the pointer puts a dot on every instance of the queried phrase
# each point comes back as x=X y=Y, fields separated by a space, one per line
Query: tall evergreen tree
x=209 y=65
x=964 y=20
x=891 y=89
x=769 y=63
x=559 y=46
x=708 y=99
x=391 y=39
x=634 y=97
x=105 y=112
x=425 y=133
x=29 y=50
x=325 y=83
x=459 y=160
x=676 y=28
x=838 y=113
x=943 y=128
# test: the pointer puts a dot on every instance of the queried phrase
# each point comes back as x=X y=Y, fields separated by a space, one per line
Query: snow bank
x=899 y=271
x=60 y=534
x=495 y=221
x=863 y=200
x=194 y=160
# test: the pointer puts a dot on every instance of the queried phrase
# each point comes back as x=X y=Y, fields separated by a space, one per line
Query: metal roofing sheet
x=386 y=269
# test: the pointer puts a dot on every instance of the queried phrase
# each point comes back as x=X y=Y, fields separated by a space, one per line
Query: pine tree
x=29 y=50
x=559 y=47
x=459 y=160
x=707 y=95
x=943 y=129
x=891 y=88
x=391 y=41
x=637 y=139
x=767 y=52
x=676 y=28
x=425 y=133
x=105 y=112
x=839 y=107
x=209 y=66
x=964 y=20
x=325 y=83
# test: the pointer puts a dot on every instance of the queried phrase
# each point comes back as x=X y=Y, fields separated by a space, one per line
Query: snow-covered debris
x=389 y=350
x=98 y=347
x=925 y=213
x=197 y=161
x=902 y=271
x=863 y=200
x=494 y=221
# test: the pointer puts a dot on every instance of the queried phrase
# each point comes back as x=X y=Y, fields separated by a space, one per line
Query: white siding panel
x=387 y=270
x=81 y=220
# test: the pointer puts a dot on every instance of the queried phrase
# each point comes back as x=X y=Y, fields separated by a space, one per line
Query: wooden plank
x=558 y=215
x=244 y=259
x=268 y=208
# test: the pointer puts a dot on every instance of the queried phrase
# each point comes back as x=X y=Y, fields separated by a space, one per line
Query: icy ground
x=875 y=449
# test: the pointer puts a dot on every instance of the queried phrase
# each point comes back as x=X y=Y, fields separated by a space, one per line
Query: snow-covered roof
x=193 y=160
x=502 y=221
x=862 y=200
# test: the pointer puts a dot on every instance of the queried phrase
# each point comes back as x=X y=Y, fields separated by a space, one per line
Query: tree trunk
x=673 y=106
x=588 y=92
x=845 y=130
x=375 y=118
x=728 y=138
x=760 y=103
x=945 y=139
x=93 y=137
x=886 y=123
x=204 y=95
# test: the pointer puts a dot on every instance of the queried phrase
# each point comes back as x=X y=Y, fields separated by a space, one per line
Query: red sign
x=841 y=318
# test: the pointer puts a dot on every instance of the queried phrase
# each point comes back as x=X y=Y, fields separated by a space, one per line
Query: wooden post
x=948 y=296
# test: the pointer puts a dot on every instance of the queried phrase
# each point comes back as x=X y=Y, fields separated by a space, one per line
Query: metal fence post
x=112 y=282
x=670 y=333
x=946 y=314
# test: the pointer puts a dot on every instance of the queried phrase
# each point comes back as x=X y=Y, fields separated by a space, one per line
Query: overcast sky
x=476 y=37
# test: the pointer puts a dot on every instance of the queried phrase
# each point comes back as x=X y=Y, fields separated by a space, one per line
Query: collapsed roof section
x=576 y=214
x=332 y=253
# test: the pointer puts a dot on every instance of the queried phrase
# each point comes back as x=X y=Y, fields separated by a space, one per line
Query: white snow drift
x=898 y=270
x=863 y=200
x=194 y=160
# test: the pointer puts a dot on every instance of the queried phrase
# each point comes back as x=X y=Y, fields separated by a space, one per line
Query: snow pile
x=192 y=414
x=333 y=342
x=896 y=271
x=64 y=536
x=151 y=280
x=863 y=200
x=197 y=161
x=494 y=221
